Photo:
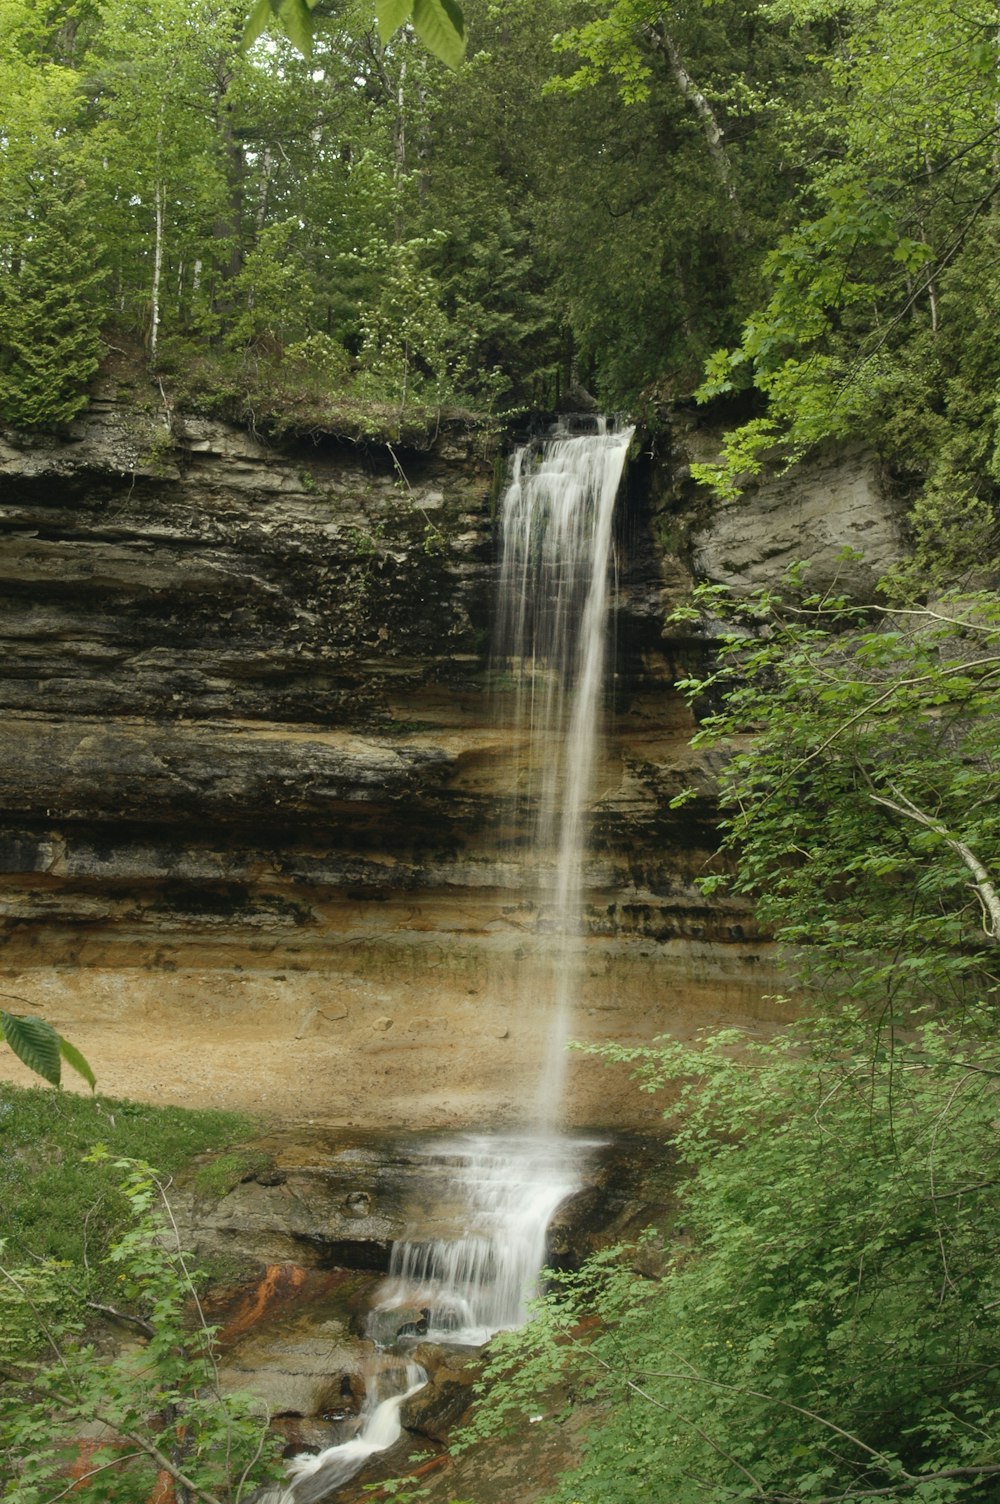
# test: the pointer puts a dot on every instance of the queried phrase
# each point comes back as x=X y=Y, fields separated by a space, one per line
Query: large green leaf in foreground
x=439 y=24
x=42 y=1049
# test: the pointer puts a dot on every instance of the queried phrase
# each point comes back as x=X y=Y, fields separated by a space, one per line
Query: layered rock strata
x=255 y=832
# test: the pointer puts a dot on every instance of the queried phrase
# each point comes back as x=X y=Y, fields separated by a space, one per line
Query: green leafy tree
x=873 y=322
x=51 y=278
x=482 y=194
x=166 y=163
x=51 y=307
x=271 y=293
x=825 y=1329
x=684 y=114
x=407 y=351
x=863 y=811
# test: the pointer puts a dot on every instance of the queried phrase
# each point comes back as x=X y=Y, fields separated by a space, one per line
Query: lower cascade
x=468 y=1288
x=313 y=1478
x=552 y=627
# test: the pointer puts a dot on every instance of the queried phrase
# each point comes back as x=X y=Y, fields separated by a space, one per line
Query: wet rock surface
x=436 y=1410
x=320 y=1345
x=311 y=1217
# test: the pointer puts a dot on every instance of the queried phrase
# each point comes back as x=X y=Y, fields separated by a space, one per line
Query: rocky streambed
x=309 y=1328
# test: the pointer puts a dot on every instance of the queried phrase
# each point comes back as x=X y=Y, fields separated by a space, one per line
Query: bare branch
x=161 y=1460
x=139 y=1321
x=92 y=1473
x=987 y=893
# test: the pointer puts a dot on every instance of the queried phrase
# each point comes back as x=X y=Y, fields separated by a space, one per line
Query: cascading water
x=552 y=628
x=314 y=1478
x=552 y=624
x=473 y=1286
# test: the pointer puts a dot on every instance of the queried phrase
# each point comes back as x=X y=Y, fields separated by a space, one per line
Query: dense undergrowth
x=828 y=1330
x=125 y=1405
x=108 y=1378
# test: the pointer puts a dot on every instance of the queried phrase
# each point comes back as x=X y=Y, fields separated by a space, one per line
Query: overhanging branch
x=985 y=890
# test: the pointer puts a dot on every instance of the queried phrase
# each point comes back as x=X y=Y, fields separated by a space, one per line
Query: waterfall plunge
x=552 y=628
x=552 y=625
x=473 y=1286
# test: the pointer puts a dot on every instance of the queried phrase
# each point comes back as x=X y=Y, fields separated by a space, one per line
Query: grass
x=52 y=1204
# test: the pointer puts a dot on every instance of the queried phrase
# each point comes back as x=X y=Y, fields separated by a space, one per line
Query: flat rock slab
x=831 y=511
x=342 y=1198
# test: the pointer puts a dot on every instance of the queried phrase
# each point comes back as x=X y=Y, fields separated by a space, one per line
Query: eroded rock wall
x=254 y=835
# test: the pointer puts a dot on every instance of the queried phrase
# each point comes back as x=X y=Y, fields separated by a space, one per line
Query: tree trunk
x=981 y=881
x=711 y=130
x=157 y=272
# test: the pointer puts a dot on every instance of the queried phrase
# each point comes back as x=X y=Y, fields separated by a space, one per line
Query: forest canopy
x=790 y=203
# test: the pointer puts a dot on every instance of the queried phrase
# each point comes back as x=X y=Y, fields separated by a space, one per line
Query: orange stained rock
x=163 y=1489
x=278 y=1282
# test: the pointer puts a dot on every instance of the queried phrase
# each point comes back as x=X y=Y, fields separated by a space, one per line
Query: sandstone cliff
x=253 y=830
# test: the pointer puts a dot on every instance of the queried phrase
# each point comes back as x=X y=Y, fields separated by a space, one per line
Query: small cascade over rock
x=466 y=1289
x=315 y=1477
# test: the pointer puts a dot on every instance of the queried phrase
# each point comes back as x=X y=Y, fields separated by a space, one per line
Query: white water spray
x=314 y=1478
x=481 y=1283
x=552 y=629
x=554 y=593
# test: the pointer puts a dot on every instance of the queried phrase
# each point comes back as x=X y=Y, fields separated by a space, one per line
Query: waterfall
x=556 y=521
x=314 y=1478
x=552 y=627
x=481 y=1283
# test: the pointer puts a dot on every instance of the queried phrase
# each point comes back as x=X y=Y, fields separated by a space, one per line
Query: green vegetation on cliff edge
x=787 y=202
x=52 y=1206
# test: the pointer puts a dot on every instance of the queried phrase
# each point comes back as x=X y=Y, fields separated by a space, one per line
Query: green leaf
x=293 y=17
x=296 y=22
x=35 y=1042
x=391 y=15
x=73 y=1058
x=257 y=22
x=440 y=25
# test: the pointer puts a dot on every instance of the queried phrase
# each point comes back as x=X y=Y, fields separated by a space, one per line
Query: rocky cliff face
x=253 y=835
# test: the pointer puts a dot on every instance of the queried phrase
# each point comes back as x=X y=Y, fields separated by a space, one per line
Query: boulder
x=440 y=1406
x=832 y=510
